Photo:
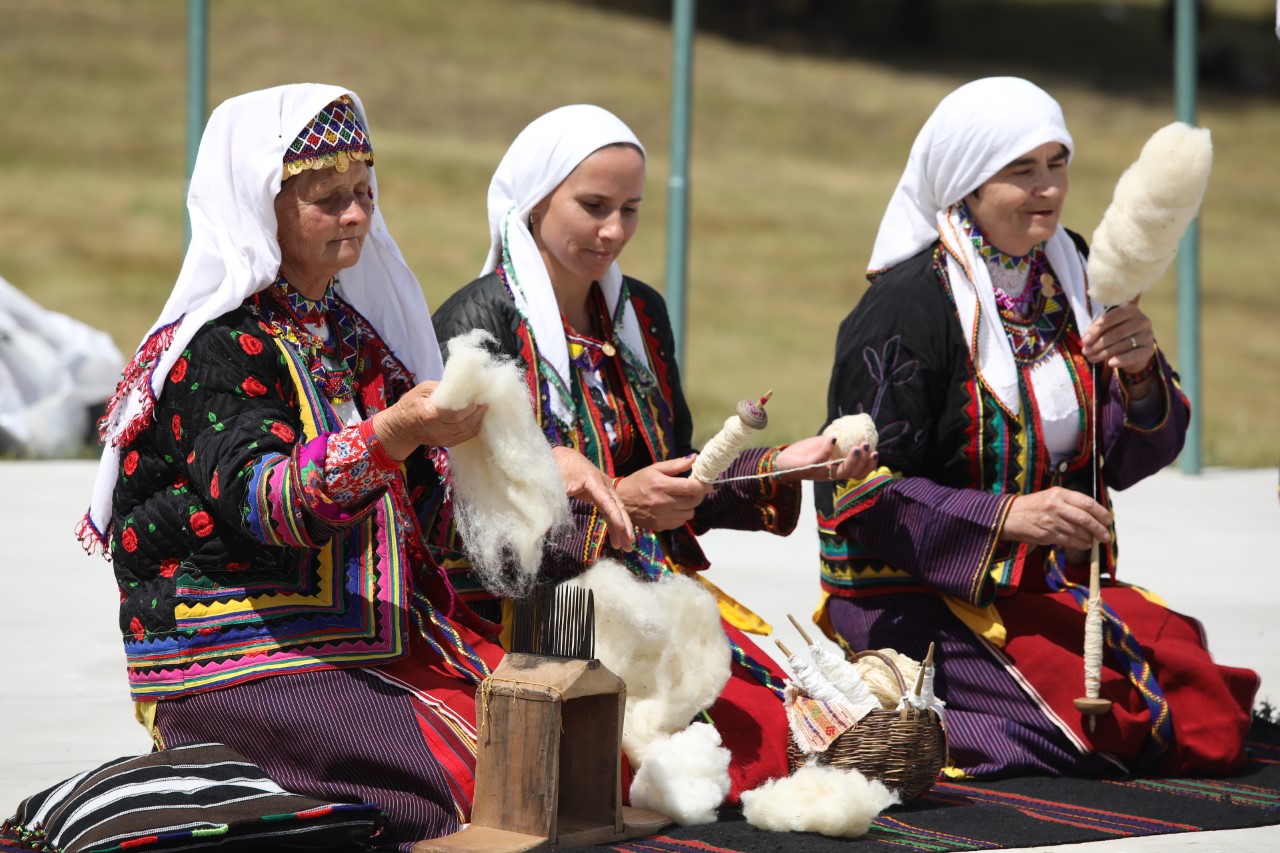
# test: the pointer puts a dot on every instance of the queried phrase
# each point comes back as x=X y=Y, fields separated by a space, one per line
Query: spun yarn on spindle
x=724 y=446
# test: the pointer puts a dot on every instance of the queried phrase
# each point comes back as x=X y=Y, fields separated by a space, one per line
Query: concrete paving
x=1209 y=544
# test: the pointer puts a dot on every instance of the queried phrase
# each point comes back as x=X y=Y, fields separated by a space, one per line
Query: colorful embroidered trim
x=332 y=139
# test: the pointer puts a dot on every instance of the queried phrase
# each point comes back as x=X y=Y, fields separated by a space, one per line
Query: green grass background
x=794 y=157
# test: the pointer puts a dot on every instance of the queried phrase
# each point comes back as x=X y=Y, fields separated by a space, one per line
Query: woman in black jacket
x=598 y=354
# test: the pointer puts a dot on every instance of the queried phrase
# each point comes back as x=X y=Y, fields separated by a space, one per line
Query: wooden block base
x=637 y=823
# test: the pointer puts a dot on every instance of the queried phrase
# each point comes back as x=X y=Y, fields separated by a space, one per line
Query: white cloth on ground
x=53 y=368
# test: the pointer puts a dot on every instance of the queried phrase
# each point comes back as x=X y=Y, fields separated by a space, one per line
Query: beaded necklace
x=1032 y=311
x=1016 y=287
x=584 y=350
x=599 y=396
x=335 y=360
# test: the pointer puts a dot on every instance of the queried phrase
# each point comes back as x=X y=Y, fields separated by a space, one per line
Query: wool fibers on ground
x=664 y=639
x=820 y=799
x=1155 y=200
x=684 y=776
x=507 y=492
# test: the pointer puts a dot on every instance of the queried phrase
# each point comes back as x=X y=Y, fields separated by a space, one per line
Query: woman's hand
x=1124 y=339
x=860 y=461
x=414 y=421
x=656 y=499
x=1057 y=516
x=587 y=482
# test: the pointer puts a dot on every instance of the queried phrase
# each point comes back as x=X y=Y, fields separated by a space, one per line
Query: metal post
x=682 y=30
x=1185 y=72
x=197 y=66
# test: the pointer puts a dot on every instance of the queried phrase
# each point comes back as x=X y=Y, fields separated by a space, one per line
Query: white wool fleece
x=1155 y=200
x=665 y=641
x=684 y=776
x=507 y=492
x=825 y=800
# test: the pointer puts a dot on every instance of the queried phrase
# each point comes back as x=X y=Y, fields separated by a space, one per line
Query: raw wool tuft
x=507 y=492
x=684 y=776
x=665 y=641
x=820 y=799
x=1155 y=200
x=851 y=431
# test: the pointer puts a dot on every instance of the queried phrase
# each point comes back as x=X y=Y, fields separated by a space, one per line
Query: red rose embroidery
x=214 y=489
x=253 y=387
x=237 y=567
x=191 y=457
x=131 y=462
x=129 y=539
x=281 y=431
x=169 y=568
x=177 y=427
x=179 y=370
x=202 y=523
x=135 y=628
x=250 y=344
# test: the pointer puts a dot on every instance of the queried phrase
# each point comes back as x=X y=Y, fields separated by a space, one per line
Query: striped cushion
x=185 y=798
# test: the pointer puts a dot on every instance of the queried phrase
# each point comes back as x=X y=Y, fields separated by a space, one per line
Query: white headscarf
x=973 y=133
x=538 y=161
x=234 y=254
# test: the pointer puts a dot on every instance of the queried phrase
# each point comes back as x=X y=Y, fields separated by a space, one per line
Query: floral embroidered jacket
x=254 y=534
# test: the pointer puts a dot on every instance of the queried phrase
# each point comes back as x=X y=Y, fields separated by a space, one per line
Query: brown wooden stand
x=548 y=761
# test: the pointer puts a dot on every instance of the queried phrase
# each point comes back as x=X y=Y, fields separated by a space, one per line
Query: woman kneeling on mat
x=978 y=532
x=599 y=359
x=267 y=455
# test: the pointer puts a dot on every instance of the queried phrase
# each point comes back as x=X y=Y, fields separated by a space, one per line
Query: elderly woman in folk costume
x=267 y=453
x=598 y=353
x=975 y=351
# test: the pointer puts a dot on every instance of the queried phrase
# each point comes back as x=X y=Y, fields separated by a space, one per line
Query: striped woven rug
x=1024 y=812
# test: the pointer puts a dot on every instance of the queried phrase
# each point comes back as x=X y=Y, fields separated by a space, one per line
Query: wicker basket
x=903 y=749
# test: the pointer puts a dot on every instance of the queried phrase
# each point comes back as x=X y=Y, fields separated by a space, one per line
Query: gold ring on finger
x=1133 y=342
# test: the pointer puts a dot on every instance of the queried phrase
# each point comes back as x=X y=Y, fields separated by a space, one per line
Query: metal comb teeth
x=556 y=622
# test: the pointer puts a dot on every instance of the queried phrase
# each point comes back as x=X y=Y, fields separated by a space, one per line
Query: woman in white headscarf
x=597 y=350
x=268 y=453
x=975 y=351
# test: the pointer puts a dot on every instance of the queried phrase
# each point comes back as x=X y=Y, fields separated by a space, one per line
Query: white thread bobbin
x=724 y=447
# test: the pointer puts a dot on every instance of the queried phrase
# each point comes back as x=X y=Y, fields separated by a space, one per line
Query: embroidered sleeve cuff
x=356 y=470
x=1151 y=413
x=377 y=453
x=856 y=496
x=778 y=501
